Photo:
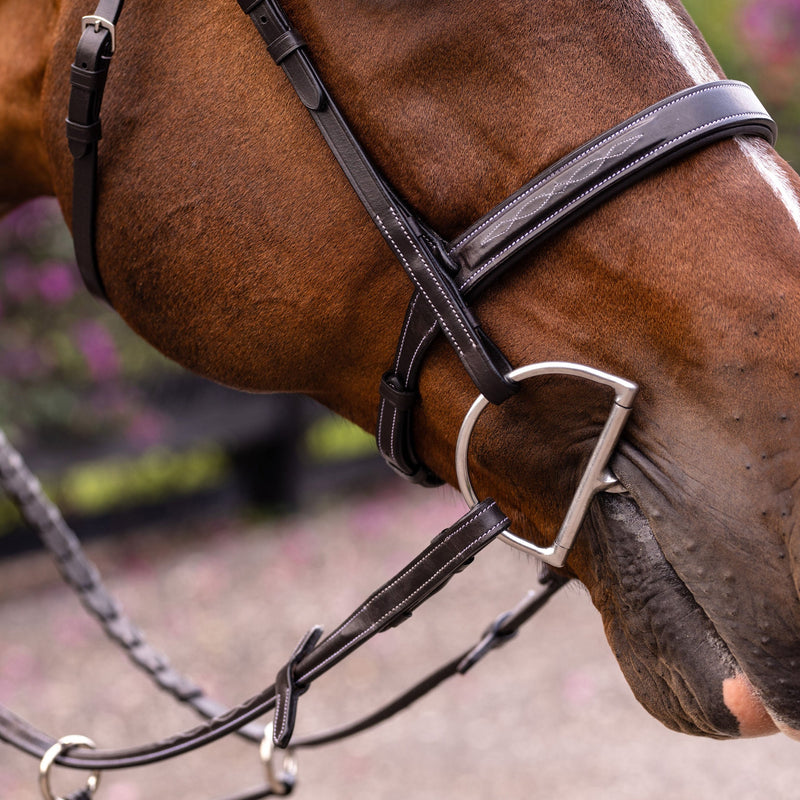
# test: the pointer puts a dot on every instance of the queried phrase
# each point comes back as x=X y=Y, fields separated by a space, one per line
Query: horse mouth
x=678 y=664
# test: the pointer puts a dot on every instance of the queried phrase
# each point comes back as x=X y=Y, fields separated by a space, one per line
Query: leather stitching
x=419 y=286
x=367 y=631
x=583 y=171
x=420 y=345
x=404 y=332
x=528 y=233
x=636 y=121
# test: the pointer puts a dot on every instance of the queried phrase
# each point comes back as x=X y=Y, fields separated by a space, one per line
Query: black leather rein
x=445 y=275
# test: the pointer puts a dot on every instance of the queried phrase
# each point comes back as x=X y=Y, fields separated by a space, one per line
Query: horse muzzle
x=702 y=614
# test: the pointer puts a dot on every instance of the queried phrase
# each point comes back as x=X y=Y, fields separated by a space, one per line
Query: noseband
x=446 y=276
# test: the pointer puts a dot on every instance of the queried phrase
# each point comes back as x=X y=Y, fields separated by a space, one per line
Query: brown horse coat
x=229 y=238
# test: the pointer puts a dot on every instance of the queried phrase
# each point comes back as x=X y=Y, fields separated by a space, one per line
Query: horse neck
x=25 y=26
x=460 y=109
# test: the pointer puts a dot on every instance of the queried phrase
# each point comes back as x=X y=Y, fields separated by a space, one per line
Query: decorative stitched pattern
x=584 y=171
x=594 y=187
x=714 y=88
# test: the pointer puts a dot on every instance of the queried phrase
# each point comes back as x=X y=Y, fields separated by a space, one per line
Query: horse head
x=229 y=238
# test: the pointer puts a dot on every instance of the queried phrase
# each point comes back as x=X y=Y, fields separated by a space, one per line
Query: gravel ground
x=547 y=716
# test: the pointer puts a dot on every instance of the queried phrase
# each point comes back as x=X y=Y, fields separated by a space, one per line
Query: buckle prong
x=100 y=23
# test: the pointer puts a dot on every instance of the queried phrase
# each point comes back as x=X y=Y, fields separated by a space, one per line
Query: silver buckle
x=98 y=23
x=596 y=478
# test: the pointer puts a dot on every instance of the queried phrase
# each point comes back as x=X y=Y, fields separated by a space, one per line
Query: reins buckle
x=101 y=23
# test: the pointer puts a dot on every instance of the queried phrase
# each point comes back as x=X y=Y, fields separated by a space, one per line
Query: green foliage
x=98 y=487
x=332 y=438
x=758 y=41
x=101 y=486
x=68 y=364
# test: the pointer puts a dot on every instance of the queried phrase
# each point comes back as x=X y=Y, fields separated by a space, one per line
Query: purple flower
x=772 y=29
x=98 y=348
x=25 y=221
x=145 y=429
x=56 y=282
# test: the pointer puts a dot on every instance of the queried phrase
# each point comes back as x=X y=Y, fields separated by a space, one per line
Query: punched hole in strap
x=288 y=691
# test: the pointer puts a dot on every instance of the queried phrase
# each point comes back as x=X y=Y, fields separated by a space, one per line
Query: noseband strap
x=553 y=200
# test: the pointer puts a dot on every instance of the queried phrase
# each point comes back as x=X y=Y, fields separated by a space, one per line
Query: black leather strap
x=552 y=201
x=88 y=79
x=418 y=249
x=394 y=432
x=651 y=140
x=288 y=690
x=448 y=554
x=442 y=275
x=390 y=605
x=503 y=629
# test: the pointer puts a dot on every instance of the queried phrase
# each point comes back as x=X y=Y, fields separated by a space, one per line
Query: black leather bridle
x=445 y=276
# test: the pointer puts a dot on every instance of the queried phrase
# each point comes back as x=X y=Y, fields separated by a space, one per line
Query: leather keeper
x=421 y=476
x=391 y=390
x=285 y=45
x=305 y=82
x=83 y=134
x=90 y=79
x=288 y=690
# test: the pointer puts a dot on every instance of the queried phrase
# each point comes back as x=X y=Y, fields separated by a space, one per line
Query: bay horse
x=229 y=238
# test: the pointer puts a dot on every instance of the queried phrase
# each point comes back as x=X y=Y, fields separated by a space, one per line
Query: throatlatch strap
x=88 y=80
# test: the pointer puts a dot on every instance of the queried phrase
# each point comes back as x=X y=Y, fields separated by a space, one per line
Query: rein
x=445 y=276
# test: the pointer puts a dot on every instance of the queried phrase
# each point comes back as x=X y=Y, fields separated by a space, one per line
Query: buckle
x=100 y=23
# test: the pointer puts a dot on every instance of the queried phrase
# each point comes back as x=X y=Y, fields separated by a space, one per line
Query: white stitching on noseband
x=689 y=54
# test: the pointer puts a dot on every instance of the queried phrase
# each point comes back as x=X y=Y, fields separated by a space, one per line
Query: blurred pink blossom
x=56 y=282
x=98 y=348
x=772 y=29
x=145 y=429
x=22 y=363
x=26 y=220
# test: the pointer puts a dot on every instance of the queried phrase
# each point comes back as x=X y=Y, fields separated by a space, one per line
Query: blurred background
x=200 y=501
